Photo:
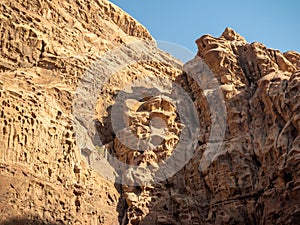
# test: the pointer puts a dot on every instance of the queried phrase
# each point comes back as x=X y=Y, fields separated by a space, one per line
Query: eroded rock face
x=46 y=47
x=47 y=176
x=157 y=132
x=254 y=177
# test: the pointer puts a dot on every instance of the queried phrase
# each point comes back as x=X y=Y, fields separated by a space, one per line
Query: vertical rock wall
x=47 y=178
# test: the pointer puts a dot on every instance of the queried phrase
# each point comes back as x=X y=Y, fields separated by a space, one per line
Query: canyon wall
x=252 y=176
x=46 y=47
x=98 y=126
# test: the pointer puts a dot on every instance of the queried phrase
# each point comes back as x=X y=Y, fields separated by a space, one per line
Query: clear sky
x=274 y=23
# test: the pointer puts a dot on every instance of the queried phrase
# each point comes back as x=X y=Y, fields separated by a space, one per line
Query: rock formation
x=46 y=46
x=60 y=139
x=253 y=178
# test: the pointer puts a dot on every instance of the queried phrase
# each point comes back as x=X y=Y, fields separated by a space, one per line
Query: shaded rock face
x=47 y=176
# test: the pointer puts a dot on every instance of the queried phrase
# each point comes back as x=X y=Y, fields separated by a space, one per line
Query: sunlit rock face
x=156 y=130
x=184 y=156
x=46 y=49
x=254 y=177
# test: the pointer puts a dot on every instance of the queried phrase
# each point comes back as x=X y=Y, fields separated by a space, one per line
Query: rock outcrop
x=253 y=177
x=46 y=47
x=98 y=126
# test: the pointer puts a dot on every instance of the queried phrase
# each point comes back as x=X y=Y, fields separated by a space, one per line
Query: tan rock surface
x=49 y=176
x=46 y=46
x=253 y=178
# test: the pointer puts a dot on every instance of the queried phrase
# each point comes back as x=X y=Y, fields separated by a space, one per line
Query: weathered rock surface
x=46 y=46
x=247 y=175
x=253 y=178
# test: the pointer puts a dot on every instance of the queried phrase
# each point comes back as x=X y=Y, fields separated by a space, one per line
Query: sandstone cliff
x=46 y=46
x=252 y=176
x=98 y=126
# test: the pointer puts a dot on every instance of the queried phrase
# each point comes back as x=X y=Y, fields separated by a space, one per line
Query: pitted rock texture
x=254 y=176
x=153 y=121
x=46 y=47
x=47 y=177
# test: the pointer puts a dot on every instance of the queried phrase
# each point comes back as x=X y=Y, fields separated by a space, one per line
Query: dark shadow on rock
x=104 y=130
x=105 y=134
x=29 y=221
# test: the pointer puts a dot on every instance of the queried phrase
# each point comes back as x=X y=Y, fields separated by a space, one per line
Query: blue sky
x=275 y=23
